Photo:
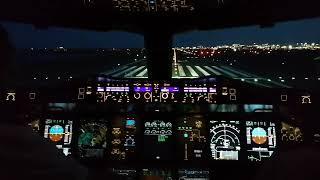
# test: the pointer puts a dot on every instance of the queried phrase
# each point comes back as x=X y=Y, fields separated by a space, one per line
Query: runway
x=180 y=71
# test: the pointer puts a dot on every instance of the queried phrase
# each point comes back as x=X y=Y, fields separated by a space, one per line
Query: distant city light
x=70 y=77
x=118 y=64
x=47 y=78
x=242 y=79
x=35 y=78
x=59 y=77
x=269 y=80
x=318 y=78
x=306 y=78
x=293 y=78
x=282 y=80
x=280 y=77
x=255 y=80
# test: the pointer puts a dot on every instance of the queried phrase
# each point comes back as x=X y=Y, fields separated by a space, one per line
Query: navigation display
x=261 y=139
x=157 y=174
x=59 y=132
x=92 y=142
x=192 y=137
x=158 y=140
x=225 y=140
x=191 y=174
x=123 y=141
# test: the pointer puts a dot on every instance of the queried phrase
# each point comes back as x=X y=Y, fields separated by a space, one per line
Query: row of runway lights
x=281 y=79
x=242 y=79
x=59 y=78
x=294 y=78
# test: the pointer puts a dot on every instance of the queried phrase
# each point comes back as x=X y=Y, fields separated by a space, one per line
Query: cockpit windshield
x=60 y=53
x=287 y=53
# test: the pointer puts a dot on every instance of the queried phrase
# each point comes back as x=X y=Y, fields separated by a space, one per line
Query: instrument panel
x=225 y=140
x=177 y=129
x=148 y=138
x=204 y=91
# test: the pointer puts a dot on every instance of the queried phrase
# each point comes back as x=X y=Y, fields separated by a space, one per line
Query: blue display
x=130 y=122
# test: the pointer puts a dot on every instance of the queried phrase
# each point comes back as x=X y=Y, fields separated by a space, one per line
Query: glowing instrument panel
x=143 y=6
x=156 y=92
x=92 y=141
x=192 y=174
x=203 y=91
x=123 y=141
x=113 y=92
x=225 y=140
x=192 y=138
x=60 y=133
x=157 y=174
x=261 y=139
x=158 y=140
x=291 y=134
x=199 y=93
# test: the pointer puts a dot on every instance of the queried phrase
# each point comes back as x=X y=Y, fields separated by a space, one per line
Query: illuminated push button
x=233 y=97
x=11 y=97
x=100 y=95
x=306 y=99
x=224 y=91
x=232 y=91
x=89 y=90
x=137 y=96
x=81 y=90
x=284 y=98
x=147 y=96
x=164 y=95
x=32 y=96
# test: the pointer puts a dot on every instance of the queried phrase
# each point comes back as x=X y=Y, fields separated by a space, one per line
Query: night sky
x=25 y=36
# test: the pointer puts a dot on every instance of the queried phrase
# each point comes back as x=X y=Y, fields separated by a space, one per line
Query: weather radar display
x=261 y=139
x=59 y=132
x=224 y=140
x=92 y=142
x=192 y=137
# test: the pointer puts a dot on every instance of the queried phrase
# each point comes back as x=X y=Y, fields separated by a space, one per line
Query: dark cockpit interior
x=168 y=111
